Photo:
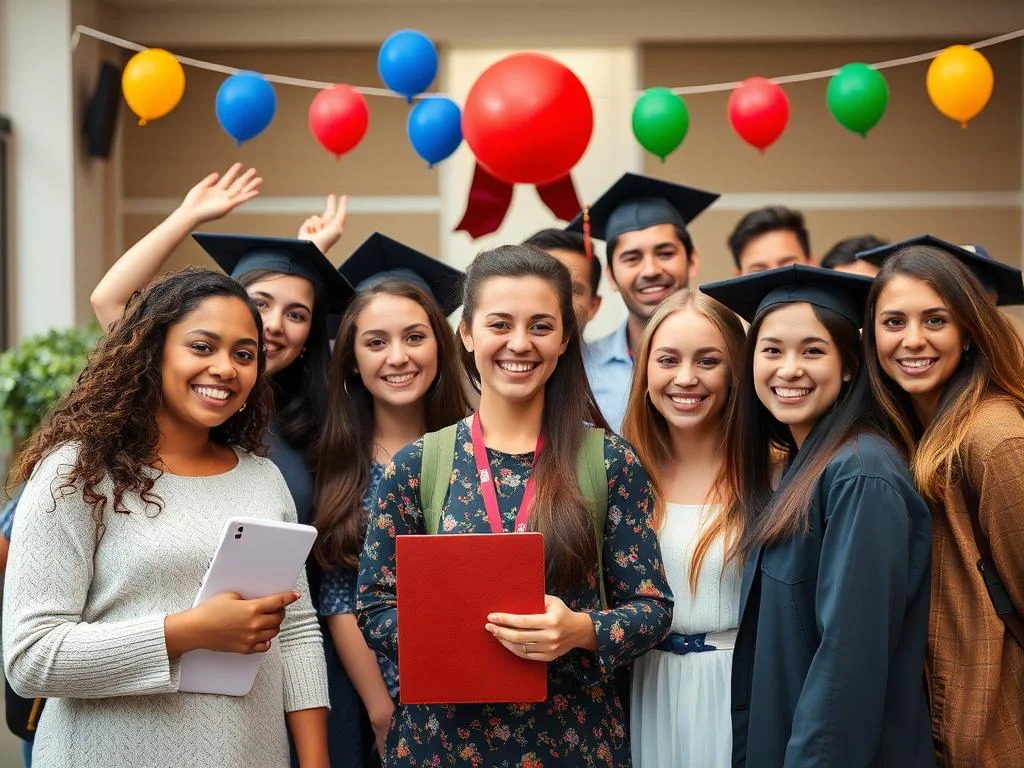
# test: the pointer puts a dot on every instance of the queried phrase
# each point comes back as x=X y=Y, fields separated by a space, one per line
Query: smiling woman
x=834 y=600
x=129 y=482
x=946 y=367
x=523 y=353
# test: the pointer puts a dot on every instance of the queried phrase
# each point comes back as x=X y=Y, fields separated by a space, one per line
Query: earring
x=242 y=408
x=302 y=353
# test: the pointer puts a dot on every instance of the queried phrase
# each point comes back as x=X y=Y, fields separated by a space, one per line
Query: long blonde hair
x=646 y=428
x=991 y=367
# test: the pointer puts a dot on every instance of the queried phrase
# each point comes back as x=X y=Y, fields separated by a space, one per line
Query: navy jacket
x=828 y=668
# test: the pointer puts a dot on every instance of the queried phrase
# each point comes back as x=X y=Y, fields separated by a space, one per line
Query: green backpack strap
x=592 y=476
x=438 y=458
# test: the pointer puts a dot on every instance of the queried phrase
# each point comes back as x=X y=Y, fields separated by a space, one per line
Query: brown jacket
x=975 y=667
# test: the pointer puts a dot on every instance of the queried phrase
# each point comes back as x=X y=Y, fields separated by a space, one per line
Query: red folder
x=447 y=585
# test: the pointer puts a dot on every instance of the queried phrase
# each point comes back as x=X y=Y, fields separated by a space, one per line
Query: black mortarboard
x=238 y=254
x=380 y=257
x=993 y=274
x=843 y=293
x=638 y=202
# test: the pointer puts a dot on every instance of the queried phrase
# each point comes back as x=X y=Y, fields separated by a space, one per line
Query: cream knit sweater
x=83 y=624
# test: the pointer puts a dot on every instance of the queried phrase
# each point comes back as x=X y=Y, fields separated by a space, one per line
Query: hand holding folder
x=447 y=586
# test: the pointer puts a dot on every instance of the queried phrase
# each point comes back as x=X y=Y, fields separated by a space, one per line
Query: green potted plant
x=35 y=374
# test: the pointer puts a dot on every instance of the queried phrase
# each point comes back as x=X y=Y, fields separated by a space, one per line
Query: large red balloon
x=528 y=119
x=759 y=111
x=338 y=118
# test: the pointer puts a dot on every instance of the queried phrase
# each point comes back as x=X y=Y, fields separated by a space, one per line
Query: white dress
x=680 y=715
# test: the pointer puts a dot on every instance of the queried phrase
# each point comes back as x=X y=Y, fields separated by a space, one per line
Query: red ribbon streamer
x=490 y=198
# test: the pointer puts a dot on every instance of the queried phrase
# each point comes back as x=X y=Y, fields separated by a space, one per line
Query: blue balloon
x=407 y=62
x=245 y=105
x=435 y=129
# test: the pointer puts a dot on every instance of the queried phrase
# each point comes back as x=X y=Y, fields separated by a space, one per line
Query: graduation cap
x=638 y=202
x=380 y=258
x=238 y=254
x=1006 y=281
x=843 y=293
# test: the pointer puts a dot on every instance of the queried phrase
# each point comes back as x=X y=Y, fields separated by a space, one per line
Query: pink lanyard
x=483 y=471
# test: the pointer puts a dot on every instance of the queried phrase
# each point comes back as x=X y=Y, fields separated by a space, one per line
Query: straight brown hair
x=559 y=512
x=647 y=430
x=346 y=453
x=993 y=366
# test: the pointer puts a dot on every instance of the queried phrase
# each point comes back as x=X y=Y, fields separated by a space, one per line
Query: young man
x=842 y=257
x=570 y=249
x=650 y=255
x=769 y=237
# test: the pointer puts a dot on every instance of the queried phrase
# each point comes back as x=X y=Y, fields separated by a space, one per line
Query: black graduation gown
x=345 y=727
x=828 y=668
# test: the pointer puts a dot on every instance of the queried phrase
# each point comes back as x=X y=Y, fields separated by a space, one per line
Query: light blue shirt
x=610 y=372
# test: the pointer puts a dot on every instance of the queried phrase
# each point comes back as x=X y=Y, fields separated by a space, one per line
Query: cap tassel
x=588 y=245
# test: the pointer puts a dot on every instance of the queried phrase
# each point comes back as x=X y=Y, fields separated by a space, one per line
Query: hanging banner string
x=370 y=91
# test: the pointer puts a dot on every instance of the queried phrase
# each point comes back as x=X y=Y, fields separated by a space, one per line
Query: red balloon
x=528 y=119
x=338 y=118
x=759 y=111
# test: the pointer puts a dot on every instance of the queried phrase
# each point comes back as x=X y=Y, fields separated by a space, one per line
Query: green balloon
x=660 y=121
x=857 y=97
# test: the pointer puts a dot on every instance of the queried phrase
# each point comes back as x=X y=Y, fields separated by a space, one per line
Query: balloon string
x=370 y=91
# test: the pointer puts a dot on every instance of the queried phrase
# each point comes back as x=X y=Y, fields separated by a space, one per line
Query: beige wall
x=95 y=189
x=818 y=163
x=165 y=158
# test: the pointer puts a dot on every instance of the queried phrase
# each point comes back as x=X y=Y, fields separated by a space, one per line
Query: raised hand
x=216 y=196
x=325 y=229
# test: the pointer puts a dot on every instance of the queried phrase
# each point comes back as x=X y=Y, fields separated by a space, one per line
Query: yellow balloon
x=153 y=83
x=960 y=83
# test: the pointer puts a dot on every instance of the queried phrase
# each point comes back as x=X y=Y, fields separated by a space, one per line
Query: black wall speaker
x=101 y=113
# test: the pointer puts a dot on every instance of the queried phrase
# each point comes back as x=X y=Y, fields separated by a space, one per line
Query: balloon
x=660 y=121
x=435 y=129
x=245 y=105
x=153 y=83
x=759 y=111
x=528 y=119
x=338 y=118
x=960 y=83
x=407 y=62
x=857 y=97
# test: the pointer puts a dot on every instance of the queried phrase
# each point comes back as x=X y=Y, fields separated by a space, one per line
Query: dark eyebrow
x=216 y=337
x=265 y=295
x=382 y=332
x=506 y=316
x=639 y=251
x=929 y=311
x=808 y=340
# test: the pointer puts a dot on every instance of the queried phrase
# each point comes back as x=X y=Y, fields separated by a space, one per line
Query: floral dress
x=582 y=721
x=338 y=587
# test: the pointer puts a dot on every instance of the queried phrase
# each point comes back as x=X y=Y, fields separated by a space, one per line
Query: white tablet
x=255 y=558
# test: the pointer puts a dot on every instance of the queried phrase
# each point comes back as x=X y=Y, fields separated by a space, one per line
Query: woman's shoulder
x=868 y=455
x=996 y=420
x=619 y=454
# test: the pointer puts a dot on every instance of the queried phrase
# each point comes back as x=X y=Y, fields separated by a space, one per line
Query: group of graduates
x=804 y=548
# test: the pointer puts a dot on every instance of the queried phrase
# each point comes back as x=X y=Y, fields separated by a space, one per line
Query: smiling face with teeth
x=918 y=340
x=688 y=372
x=797 y=368
x=648 y=265
x=395 y=350
x=209 y=365
x=516 y=336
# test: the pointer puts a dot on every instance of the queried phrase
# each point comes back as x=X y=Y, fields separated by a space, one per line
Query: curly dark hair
x=110 y=413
